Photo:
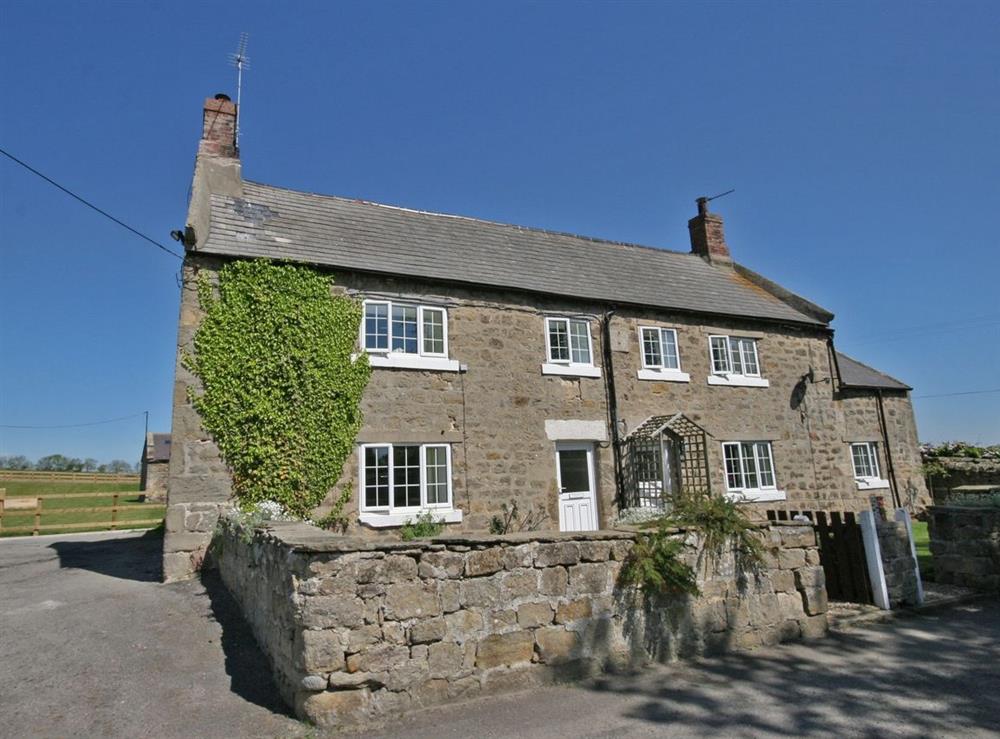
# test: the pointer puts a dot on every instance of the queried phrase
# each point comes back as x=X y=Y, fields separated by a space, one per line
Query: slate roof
x=857 y=375
x=358 y=235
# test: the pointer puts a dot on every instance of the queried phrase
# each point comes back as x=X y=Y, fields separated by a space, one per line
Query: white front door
x=577 y=493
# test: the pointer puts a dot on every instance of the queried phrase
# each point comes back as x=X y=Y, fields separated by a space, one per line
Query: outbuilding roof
x=158 y=448
x=363 y=236
x=854 y=374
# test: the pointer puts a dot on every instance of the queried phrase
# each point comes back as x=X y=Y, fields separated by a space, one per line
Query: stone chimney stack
x=218 y=131
x=217 y=168
x=707 y=238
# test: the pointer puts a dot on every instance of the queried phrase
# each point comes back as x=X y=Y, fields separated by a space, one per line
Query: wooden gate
x=841 y=550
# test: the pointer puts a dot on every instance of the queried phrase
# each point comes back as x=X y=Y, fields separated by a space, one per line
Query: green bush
x=281 y=390
x=656 y=563
x=422 y=527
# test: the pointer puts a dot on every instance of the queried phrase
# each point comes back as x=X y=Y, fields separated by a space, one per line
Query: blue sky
x=861 y=139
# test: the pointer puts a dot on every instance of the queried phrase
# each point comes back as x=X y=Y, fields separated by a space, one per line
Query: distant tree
x=102 y=468
x=15 y=462
x=53 y=463
x=90 y=464
x=74 y=465
x=119 y=466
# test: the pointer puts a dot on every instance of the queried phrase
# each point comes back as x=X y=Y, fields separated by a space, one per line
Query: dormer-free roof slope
x=362 y=236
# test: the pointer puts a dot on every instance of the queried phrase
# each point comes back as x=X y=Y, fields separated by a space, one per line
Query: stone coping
x=965 y=508
x=300 y=536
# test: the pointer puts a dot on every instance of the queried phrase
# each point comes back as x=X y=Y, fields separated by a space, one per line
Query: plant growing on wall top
x=281 y=391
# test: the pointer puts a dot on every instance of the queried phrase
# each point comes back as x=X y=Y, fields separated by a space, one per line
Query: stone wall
x=965 y=545
x=359 y=629
x=963 y=471
x=898 y=563
x=154 y=481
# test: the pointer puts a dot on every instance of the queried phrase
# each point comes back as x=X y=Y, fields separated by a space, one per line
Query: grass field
x=50 y=508
x=922 y=541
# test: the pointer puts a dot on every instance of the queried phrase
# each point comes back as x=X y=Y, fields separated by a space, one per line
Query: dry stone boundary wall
x=965 y=545
x=360 y=630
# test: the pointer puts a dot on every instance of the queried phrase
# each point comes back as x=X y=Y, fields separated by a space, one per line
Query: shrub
x=656 y=563
x=422 y=527
x=281 y=388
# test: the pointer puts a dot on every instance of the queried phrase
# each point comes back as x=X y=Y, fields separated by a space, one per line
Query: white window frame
x=392 y=515
x=421 y=359
x=568 y=367
x=728 y=376
x=761 y=492
x=868 y=482
x=658 y=371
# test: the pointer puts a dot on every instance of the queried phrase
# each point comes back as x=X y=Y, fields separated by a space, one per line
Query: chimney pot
x=222 y=96
x=707 y=237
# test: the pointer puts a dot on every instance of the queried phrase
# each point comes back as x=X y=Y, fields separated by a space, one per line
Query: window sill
x=414 y=361
x=738 y=381
x=756 y=496
x=571 y=370
x=384 y=520
x=871 y=483
x=664 y=375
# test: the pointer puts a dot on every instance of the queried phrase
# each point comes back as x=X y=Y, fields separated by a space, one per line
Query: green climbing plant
x=281 y=387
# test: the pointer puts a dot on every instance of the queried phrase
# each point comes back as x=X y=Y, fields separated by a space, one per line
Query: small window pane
x=404 y=329
x=736 y=356
x=558 y=340
x=749 y=466
x=377 y=326
x=670 y=358
x=406 y=476
x=865 y=461
x=749 y=347
x=580 y=342
x=574 y=471
x=651 y=351
x=433 y=331
x=734 y=475
x=765 y=465
x=720 y=354
x=436 y=463
x=377 y=477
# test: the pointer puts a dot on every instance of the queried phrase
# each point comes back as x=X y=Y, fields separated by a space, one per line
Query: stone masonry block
x=519 y=583
x=560 y=553
x=325 y=611
x=505 y=649
x=594 y=579
x=483 y=562
x=322 y=651
x=445 y=659
x=481 y=592
x=575 y=610
x=595 y=551
x=519 y=556
x=556 y=644
x=463 y=625
x=553 y=581
x=530 y=615
x=432 y=629
x=411 y=600
x=334 y=708
x=791 y=559
x=441 y=564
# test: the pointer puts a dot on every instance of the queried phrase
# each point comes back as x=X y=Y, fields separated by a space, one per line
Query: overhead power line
x=75 y=425
x=104 y=213
x=967 y=392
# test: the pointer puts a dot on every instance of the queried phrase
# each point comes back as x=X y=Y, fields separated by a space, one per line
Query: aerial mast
x=241 y=61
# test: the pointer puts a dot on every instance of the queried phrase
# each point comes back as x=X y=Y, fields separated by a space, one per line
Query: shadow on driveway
x=246 y=665
x=133 y=558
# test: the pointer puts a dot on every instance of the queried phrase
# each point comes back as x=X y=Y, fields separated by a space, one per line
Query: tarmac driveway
x=91 y=644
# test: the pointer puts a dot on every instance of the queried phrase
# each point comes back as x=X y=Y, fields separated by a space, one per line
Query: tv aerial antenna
x=241 y=61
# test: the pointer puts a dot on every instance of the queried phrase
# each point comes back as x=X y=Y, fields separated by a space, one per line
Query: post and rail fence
x=52 y=476
x=24 y=506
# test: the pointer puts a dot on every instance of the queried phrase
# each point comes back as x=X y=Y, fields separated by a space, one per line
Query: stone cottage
x=575 y=377
x=154 y=467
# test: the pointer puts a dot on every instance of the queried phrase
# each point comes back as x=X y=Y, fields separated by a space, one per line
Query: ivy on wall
x=281 y=392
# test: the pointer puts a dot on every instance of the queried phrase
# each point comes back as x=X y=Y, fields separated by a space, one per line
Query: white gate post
x=903 y=515
x=873 y=555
